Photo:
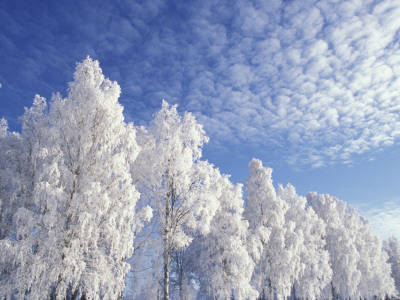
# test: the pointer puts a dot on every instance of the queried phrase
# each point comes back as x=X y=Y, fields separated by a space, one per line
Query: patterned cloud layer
x=315 y=81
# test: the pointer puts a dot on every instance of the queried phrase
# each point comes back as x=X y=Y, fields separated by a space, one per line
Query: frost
x=76 y=224
x=90 y=204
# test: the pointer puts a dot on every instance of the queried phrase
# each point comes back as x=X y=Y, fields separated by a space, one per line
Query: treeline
x=95 y=208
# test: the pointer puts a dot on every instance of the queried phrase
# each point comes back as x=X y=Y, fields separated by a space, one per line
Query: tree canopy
x=92 y=207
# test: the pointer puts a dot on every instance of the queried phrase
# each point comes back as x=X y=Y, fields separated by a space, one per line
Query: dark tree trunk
x=294 y=293
x=166 y=268
x=270 y=290
x=167 y=249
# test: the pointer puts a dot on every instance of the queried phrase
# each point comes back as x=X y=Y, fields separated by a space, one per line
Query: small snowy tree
x=224 y=265
x=3 y=128
x=175 y=182
x=75 y=238
x=376 y=280
x=392 y=247
x=360 y=268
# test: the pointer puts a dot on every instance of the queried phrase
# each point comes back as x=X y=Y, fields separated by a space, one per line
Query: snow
x=94 y=207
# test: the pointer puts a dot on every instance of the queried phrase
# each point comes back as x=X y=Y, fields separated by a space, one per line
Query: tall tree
x=8 y=177
x=18 y=161
x=265 y=213
x=75 y=238
x=224 y=264
x=18 y=170
x=305 y=241
x=341 y=244
x=7 y=207
x=177 y=184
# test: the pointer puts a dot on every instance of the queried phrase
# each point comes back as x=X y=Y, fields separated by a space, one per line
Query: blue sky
x=309 y=87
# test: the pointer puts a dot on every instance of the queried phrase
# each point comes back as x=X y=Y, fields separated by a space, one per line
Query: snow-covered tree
x=265 y=213
x=3 y=128
x=183 y=271
x=76 y=237
x=360 y=268
x=18 y=162
x=376 y=279
x=392 y=247
x=175 y=182
x=8 y=205
x=18 y=165
x=305 y=241
x=341 y=244
x=223 y=263
x=8 y=178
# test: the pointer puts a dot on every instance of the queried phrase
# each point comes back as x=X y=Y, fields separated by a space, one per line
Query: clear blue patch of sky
x=367 y=181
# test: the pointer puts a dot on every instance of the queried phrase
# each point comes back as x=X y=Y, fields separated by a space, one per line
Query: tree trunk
x=179 y=254
x=180 y=282
x=167 y=249
x=270 y=290
x=166 y=269
x=262 y=296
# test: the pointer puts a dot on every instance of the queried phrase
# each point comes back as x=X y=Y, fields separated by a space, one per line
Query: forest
x=92 y=207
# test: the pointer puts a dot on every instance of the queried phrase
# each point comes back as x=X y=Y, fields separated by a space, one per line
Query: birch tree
x=341 y=244
x=10 y=144
x=392 y=248
x=223 y=261
x=308 y=257
x=18 y=165
x=360 y=268
x=376 y=278
x=177 y=184
x=8 y=205
x=74 y=240
x=265 y=213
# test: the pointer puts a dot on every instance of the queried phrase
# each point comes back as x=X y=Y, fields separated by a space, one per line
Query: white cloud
x=384 y=218
x=315 y=81
x=321 y=76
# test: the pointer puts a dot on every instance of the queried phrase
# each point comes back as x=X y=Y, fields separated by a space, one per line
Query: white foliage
x=309 y=260
x=224 y=263
x=79 y=231
x=392 y=247
x=69 y=217
x=175 y=182
x=341 y=244
x=266 y=215
x=376 y=279
x=359 y=266
x=3 y=128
